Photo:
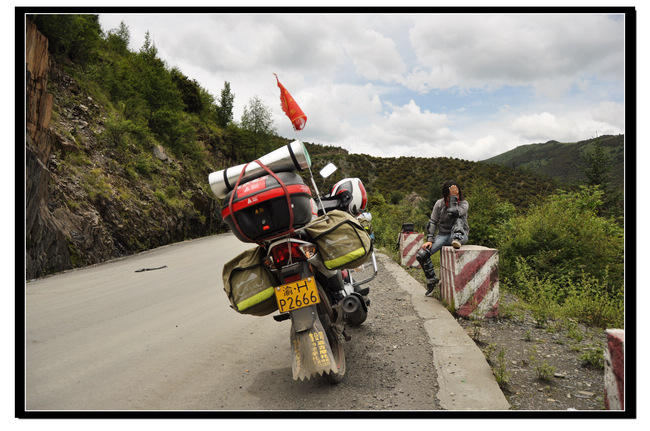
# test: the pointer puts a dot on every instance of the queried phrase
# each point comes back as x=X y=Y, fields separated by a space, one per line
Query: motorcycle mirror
x=328 y=170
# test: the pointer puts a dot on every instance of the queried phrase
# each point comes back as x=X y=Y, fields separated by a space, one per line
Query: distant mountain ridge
x=564 y=161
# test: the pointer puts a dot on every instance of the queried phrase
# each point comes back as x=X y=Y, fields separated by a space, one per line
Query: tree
x=487 y=213
x=148 y=50
x=597 y=172
x=119 y=38
x=257 y=121
x=257 y=118
x=226 y=103
x=153 y=81
x=598 y=167
x=190 y=91
x=75 y=37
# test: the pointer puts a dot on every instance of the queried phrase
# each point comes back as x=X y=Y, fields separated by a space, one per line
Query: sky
x=470 y=86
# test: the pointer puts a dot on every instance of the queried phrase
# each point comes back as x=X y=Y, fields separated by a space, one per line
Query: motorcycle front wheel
x=327 y=317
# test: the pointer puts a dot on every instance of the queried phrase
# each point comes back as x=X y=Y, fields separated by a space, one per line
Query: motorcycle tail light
x=308 y=250
x=285 y=254
x=268 y=261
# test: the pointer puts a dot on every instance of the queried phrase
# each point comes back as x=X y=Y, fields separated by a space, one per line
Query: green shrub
x=144 y=165
x=574 y=332
x=117 y=130
x=594 y=303
x=563 y=238
x=544 y=371
x=501 y=374
x=387 y=220
x=489 y=351
x=586 y=300
x=593 y=358
x=487 y=213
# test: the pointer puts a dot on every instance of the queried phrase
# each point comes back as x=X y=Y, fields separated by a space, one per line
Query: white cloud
x=544 y=127
x=375 y=57
x=421 y=126
x=610 y=113
x=486 y=50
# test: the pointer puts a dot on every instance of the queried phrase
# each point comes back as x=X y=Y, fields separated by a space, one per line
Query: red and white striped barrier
x=615 y=369
x=469 y=280
x=409 y=244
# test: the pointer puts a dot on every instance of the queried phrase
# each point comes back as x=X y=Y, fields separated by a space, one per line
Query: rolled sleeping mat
x=289 y=158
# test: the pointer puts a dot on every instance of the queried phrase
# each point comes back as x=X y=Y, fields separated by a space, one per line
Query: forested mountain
x=422 y=177
x=119 y=148
x=567 y=162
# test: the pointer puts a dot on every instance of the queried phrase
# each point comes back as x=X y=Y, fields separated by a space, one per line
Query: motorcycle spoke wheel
x=339 y=359
x=326 y=315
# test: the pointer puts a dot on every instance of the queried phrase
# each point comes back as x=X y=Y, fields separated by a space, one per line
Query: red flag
x=291 y=108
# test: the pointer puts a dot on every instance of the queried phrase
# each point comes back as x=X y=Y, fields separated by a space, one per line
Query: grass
x=96 y=185
x=489 y=351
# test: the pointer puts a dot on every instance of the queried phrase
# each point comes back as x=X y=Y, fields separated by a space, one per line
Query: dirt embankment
x=87 y=199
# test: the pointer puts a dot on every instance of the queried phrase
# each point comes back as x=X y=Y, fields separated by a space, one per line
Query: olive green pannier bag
x=249 y=284
x=341 y=240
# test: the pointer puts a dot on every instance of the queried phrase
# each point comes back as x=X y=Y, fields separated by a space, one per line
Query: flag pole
x=286 y=100
x=311 y=175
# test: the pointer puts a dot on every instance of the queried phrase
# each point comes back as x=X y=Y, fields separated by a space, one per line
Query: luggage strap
x=286 y=194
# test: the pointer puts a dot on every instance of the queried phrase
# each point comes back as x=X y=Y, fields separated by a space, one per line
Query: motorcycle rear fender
x=303 y=318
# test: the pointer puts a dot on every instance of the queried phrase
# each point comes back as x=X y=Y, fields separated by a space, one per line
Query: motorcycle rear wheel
x=326 y=314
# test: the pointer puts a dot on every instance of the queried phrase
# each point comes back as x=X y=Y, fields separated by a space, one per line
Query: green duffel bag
x=341 y=240
x=249 y=284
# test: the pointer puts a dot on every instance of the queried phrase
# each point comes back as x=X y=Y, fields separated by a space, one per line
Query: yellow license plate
x=299 y=294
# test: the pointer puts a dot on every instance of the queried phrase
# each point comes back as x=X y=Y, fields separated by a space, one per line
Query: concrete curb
x=465 y=379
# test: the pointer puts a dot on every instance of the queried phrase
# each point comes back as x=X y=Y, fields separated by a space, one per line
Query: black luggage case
x=261 y=210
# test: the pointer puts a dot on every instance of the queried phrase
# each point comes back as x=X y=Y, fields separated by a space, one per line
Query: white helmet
x=357 y=190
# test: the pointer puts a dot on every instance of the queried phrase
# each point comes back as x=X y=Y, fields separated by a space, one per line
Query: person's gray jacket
x=443 y=222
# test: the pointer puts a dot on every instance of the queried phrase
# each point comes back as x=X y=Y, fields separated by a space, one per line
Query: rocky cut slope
x=88 y=199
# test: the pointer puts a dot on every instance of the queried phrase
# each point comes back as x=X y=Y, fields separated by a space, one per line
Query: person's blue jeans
x=423 y=255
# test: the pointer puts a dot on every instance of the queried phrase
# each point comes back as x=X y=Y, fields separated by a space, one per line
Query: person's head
x=445 y=189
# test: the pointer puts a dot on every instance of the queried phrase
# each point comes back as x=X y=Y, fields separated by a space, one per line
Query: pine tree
x=226 y=103
x=598 y=167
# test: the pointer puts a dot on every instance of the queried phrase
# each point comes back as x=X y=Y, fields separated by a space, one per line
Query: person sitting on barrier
x=449 y=218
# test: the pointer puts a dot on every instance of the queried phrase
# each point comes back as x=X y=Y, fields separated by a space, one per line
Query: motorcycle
x=316 y=255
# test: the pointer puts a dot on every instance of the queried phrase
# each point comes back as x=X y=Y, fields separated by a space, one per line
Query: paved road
x=111 y=338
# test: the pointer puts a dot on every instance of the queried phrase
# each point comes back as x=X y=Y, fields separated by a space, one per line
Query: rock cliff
x=46 y=245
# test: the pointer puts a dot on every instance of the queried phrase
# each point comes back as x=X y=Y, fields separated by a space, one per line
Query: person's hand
x=453 y=190
x=427 y=245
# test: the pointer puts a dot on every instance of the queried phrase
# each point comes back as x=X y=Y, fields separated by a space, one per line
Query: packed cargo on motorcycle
x=341 y=240
x=249 y=284
x=261 y=209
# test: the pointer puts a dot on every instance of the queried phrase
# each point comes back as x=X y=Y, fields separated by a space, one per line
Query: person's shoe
x=455 y=244
x=431 y=287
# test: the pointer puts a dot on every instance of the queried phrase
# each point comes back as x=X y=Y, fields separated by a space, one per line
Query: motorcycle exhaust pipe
x=351 y=304
x=355 y=309
x=289 y=158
